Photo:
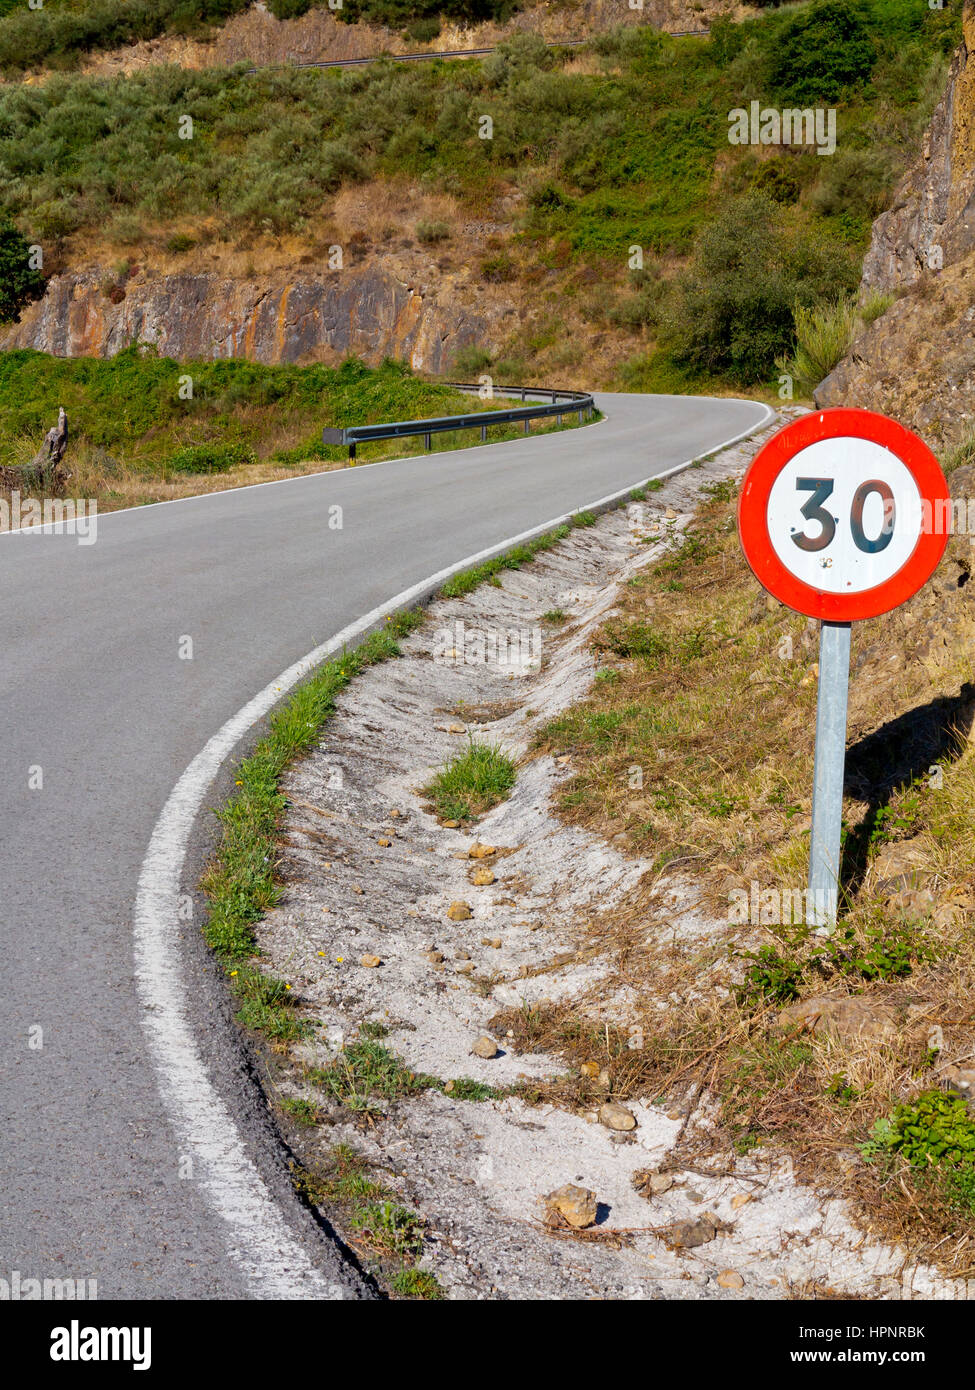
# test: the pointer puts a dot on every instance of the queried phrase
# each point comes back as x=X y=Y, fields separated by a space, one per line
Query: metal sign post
x=843 y=515
x=828 y=767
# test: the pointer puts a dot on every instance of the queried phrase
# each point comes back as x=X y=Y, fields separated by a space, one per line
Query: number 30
x=813 y=510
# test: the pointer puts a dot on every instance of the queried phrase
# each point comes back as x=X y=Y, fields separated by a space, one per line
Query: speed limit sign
x=843 y=514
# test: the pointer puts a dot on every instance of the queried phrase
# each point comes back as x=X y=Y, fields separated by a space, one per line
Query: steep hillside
x=917 y=362
x=577 y=214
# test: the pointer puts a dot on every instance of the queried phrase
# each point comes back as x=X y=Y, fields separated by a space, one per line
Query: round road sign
x=844 y=514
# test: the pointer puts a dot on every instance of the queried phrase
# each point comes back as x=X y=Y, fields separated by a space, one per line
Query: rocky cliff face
x=917 y=362
x=369 y=313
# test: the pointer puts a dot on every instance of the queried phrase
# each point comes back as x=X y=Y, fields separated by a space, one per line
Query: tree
x=732 y=309
x=822 y=52
x=19 y=282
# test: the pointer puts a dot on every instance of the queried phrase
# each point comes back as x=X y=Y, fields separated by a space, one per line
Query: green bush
x=210 y=458
x=19 y=284
x=855 y=182
x=428 y=233
x=289 y=9
x=823 y=51
x=424 y=30
x=470 y=361
x=498 y=269
x=732 y=311
x=771 y=977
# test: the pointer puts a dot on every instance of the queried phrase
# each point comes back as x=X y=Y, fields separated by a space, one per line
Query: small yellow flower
x=340 y=959
x=233 y=973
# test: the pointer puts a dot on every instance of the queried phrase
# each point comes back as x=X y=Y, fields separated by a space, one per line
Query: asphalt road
x=95 y=694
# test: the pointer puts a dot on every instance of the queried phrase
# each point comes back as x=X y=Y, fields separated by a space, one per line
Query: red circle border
x=768 y=463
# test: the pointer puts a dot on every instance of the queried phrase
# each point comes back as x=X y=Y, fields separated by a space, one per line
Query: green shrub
x=210 y=458
x=770 y=977
x=19 y=284
x=824 y=335
x=644 y=307
x=732 y=311
x=497 y=269
x=289 y=9
x=854 y=182
x=431 y=232
x=180 y=243
x=470 y=361
x=823 y=51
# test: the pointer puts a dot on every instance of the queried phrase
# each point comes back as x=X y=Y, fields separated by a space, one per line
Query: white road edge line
x=260 y=1241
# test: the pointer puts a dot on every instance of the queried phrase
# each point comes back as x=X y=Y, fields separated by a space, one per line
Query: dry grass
x=696 y=742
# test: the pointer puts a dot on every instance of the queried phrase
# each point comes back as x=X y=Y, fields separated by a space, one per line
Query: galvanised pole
x=830 y=760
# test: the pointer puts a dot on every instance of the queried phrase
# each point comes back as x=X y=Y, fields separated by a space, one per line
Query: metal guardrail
x=560 y=403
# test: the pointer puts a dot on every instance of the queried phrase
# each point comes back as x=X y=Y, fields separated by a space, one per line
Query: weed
x=416 y=1283
x=936 y=1128
x=267 y=1005
x=771 y=977
x=210 y=458
x=466 y=1088
x=389 y=1228
x=468 y=580
x=373 y=1030
x=366 y=1073
x=840 y=1090
x=302 y=1111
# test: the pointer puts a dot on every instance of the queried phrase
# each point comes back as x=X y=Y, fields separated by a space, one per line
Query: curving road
x=135 y=1151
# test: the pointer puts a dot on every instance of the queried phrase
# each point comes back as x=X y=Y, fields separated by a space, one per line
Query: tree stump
x=47 y=471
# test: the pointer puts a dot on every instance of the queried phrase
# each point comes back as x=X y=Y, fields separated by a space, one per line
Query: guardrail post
x=426 y=442
x=528 y=426
x=580 y=417
x=483 y=433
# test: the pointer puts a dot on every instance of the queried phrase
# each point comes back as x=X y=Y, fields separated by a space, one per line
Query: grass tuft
x=472 y=783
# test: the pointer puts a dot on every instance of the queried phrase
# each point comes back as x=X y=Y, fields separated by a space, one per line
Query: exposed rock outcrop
x=917 y=361
x=369 y=313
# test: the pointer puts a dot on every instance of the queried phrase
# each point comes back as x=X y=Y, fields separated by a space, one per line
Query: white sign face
x=844 y=515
